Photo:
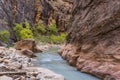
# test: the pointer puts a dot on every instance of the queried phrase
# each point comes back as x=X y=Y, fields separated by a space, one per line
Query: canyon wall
x=15 y=11
x=93 y=38
x=34 y=11
x=58 y=10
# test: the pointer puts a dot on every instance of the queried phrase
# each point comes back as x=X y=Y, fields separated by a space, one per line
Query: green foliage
x=52 y=28
x=58 y=39
x=23 y=32
x=4 y=36
x=26 y=34
x=27 y=25
x=18 y=28
x=50 y=35
x=43 y=39
x=39 y=29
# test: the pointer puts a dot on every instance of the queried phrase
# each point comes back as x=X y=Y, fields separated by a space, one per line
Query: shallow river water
x=53 y=61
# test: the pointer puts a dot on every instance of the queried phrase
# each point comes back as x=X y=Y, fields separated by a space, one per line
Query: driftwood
x=13 y=73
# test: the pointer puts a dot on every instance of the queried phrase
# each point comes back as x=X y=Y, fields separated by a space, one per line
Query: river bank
x=16 y=66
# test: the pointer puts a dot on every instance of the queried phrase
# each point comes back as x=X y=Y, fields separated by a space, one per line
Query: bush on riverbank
x=23 y=32
x=4 y=36
x=58 y=39
x=49 y=35
x=39 y=29
x=39 y=32
x=52 y=29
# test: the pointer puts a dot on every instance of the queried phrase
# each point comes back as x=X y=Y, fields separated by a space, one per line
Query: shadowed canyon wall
x=93 y=39
x=34 y=11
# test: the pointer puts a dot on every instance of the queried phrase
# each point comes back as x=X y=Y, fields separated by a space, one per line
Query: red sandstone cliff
x=93 y=40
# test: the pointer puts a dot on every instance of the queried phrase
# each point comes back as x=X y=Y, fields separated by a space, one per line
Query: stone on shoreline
x=22 y=78
x=5 y=78
x=27 y=44
x=20 y=67
x=27 y=52
x=43 y=73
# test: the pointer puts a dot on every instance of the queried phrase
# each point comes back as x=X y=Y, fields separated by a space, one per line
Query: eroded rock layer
x=93 y=40
x=58 y=10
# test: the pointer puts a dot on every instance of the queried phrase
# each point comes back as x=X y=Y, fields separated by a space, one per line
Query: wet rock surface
x=93 y=40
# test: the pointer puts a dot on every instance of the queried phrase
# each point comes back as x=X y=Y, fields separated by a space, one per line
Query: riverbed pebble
x=21 y=67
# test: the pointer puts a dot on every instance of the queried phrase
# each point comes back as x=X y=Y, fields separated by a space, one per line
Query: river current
x=52 y=60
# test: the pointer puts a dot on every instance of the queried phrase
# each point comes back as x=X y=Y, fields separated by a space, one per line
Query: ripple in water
x=51 y=60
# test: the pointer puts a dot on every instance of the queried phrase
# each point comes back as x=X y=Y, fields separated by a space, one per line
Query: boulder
x=14 y=65
x=44 y=74
x=28 y=53
x=5 y=78
x=27 y=44
x=22 y=78
x=32 y=78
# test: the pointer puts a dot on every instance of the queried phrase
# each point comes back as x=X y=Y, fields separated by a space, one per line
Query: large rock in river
x=93 y=39
x=27 y=44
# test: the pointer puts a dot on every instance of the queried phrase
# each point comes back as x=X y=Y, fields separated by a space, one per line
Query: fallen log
x=13 y=73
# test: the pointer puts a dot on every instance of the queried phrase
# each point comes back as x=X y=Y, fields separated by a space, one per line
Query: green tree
x=4 y=36
x=39 y=29
x=23 y=32
x=52 y=28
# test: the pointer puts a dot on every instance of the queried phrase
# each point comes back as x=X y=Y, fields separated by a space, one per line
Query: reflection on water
x=51 y=60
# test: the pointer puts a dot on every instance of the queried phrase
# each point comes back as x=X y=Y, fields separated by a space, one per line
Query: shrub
x=4 y=36
x=26 y=34
x=52 y=28
x=39 y=29
x=23 y=32
x=58 y=39
x=18 y=28
x=44 y=39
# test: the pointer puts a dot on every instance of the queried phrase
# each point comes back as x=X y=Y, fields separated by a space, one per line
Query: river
x=53 y=61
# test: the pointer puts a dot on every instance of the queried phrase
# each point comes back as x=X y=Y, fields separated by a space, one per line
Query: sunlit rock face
x=93 y=39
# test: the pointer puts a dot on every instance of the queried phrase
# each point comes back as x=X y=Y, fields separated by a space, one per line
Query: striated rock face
x=59 y=10
x=93 y=39
x=34 y=11
x=16 y=11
